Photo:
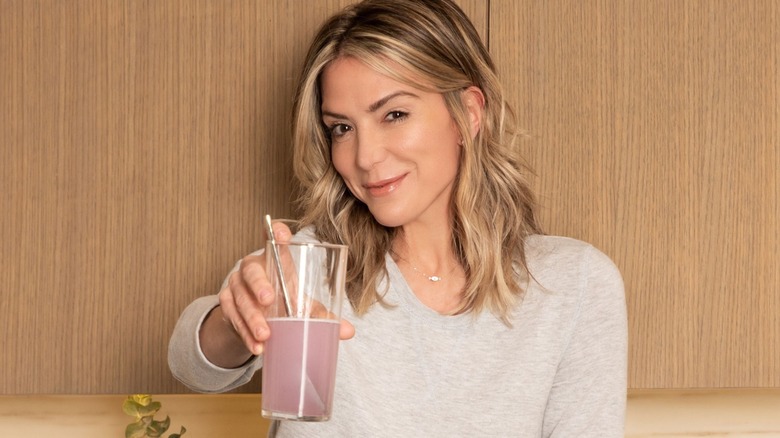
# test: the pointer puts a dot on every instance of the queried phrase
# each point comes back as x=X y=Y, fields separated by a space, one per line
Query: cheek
x=450 y=151
x=449 y=160
x=339 y=160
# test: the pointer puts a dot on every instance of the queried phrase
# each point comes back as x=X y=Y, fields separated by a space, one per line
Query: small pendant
x=434 y=278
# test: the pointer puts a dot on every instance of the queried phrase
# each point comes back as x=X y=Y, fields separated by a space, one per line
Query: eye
x=396 y=116
x=339 y=130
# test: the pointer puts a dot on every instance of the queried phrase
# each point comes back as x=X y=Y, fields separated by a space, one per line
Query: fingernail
x=264 y=294
x=258 y=350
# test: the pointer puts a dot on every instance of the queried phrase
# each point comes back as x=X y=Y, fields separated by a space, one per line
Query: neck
x=430 y=255
x=437 y=285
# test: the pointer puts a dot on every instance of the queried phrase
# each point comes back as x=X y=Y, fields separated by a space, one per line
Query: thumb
x=346 y=330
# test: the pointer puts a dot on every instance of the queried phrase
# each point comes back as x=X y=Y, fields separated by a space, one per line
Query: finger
x=254 y=276
x=282 y=232
x=251 y=304
x=231 y=315
x=346 y=330
x=318 y=310
x=249 y=309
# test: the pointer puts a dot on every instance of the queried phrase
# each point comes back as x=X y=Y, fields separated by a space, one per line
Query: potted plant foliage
x=143 y=409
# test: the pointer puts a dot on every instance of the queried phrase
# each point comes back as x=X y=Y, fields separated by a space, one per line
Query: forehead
x=381 y=68
x=350 y=81
x=346 y=67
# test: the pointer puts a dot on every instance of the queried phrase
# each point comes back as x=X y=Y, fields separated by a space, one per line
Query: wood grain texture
x=141 y=143
x=653 y=128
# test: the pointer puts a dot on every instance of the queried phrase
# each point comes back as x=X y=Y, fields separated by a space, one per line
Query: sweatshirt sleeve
x=190 y=366
x=588 y=397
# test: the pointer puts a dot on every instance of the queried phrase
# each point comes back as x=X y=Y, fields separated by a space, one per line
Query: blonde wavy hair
x=437 y=49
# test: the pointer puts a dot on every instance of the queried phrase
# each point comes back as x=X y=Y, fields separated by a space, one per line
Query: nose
x=370 y=148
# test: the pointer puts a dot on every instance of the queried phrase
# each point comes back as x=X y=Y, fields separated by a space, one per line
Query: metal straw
x=279 y=270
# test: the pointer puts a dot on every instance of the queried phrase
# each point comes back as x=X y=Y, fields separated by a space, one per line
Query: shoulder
x=549 y=251
x=553 y=260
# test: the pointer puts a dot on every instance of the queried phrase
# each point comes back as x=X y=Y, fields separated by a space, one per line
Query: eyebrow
x=376 y=105
x=381 y=102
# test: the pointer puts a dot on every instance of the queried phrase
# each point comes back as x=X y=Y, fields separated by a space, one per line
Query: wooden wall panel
x=653 y=128
x=141 y=143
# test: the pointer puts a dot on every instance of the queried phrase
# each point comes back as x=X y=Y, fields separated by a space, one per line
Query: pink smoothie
x=299 y=368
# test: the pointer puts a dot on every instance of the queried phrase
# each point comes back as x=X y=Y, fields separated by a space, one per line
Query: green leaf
x=131 y=407
x=178 y=435
x=136 y=430
x=150 y=409
x=142 y=399
x=137 y=410
x=157 y=428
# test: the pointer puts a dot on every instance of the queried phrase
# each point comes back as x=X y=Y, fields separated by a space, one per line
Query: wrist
x=220 y=343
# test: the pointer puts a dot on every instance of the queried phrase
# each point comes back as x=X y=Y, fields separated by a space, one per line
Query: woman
x=467 y=321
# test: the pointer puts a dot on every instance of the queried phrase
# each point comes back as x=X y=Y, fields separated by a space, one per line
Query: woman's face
x=396 y=147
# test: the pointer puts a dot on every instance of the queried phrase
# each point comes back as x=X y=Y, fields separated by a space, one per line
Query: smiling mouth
x=385 y=187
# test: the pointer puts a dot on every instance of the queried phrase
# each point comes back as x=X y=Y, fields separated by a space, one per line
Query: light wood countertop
x=650 y=413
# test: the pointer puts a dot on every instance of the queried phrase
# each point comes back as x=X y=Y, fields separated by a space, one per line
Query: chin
x=390 y=219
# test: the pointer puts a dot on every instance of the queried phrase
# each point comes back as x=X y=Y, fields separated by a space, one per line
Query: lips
x=384 y=187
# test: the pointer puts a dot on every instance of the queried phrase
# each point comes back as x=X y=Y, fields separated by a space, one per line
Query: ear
x=474 y=103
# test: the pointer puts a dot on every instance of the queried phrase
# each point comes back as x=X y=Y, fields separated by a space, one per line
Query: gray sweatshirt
x=558 y=371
